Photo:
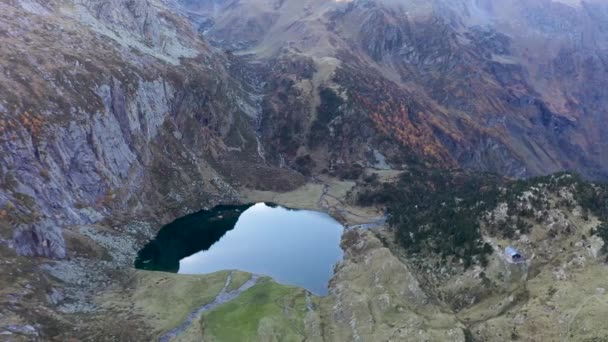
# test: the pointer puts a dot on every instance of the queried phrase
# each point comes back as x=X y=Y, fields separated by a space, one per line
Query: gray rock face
x=92 y=135
x=136 y=16
x=27 y=330
x=86 y=160
x=380 y=35
x=43 y=239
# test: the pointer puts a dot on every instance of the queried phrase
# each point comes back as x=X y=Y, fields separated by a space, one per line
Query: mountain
x=113 y=108
x=513 y=87
x=115 y=118
x=119 y=108
x=119 y=116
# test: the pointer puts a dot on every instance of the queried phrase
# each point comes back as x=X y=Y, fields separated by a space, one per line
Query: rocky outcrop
x=135 y=16
x=375 y=296
x=383 y=33
x=42 y=239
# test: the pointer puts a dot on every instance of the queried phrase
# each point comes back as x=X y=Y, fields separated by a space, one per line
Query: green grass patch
x=170 y=298
x=267 y=311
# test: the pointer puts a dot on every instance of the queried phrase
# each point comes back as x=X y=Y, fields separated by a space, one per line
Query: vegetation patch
x=170 y=298
x=267 y=311
x=441 y=211
x=327 y=111
x=438 y=211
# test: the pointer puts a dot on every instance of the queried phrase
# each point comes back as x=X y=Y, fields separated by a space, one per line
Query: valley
x=373 y=288
x=436 y=133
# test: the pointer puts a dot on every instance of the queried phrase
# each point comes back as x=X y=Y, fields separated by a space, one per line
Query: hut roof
x=512 y=252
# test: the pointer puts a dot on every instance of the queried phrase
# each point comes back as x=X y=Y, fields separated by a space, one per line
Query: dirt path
x=567 y=336
x=223 y=297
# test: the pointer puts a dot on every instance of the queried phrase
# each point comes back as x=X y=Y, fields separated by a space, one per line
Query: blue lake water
x=295 y=247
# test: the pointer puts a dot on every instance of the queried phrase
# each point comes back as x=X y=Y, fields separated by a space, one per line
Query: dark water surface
x=296 y=247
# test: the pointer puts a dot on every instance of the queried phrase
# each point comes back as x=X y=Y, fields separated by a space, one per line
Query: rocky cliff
x=109 y=109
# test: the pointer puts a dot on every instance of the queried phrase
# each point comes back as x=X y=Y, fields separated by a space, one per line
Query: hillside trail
x=567 y=336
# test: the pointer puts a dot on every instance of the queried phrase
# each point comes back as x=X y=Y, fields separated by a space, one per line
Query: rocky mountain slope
x=121 y=107
x=514 y=87
x=113 y=108
x=118 y=116
x=115 y=117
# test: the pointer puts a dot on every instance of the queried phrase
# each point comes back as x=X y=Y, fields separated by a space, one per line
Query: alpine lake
x=294 y=247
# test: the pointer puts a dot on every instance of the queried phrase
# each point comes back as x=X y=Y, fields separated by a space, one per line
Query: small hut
x=513 y=255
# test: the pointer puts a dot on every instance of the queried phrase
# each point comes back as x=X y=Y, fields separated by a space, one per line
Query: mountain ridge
x=468 y=66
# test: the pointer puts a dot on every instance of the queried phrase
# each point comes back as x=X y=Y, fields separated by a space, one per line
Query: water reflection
x=297 y=247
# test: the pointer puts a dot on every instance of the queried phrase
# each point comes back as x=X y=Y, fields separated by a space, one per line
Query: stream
x=223 y=297
x=323 y=203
